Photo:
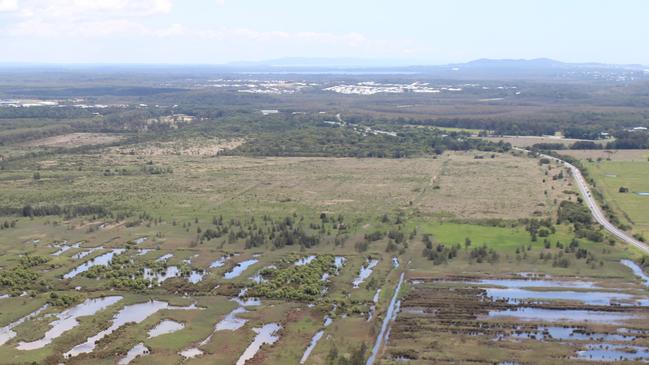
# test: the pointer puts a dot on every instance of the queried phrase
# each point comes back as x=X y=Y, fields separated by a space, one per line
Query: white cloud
x=83 y=9
x=83 y=18
x=8 y=5
x=111 y=26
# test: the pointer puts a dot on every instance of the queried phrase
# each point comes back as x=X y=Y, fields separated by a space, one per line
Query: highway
x=595 y=210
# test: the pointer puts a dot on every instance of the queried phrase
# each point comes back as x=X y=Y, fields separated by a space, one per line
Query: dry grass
x=456 y=184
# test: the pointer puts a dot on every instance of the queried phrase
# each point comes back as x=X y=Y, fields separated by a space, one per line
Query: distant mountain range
x=483 y=63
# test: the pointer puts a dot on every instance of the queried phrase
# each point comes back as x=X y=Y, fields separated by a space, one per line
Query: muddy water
x=365 y=272
x=239 y=269
x=102 y=260
x=7 y=333
x=67 y=320
x=265 y=336
x=134 y=313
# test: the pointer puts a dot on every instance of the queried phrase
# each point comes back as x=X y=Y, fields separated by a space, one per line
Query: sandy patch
x=74 y=140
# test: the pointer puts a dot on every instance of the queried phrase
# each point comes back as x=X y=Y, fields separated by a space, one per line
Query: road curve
x=595 y=210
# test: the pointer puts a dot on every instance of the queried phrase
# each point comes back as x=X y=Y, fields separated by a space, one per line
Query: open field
x=613 y=155
x=632 y=172
x=454 y=186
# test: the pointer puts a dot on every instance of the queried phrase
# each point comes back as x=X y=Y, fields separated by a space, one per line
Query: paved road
x=595 y=210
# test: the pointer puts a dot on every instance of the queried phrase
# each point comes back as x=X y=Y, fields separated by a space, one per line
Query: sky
x=389 y=31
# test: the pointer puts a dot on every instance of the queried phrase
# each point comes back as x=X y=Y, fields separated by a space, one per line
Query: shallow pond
x=191 y=353
x=102 y=260
x=339 y=262
x=304 y=260
x=7 y=333
x=375 y=301
x=82 y=254
x=637 y=270
x=195 y=276
x=159 y=277
x=172 y=272
x=610 y=352
x=134 y=313
x=67 y=320
x=231 y=322
x=546 y=333
x=314 y=341
x=165 y=327
x=531 y=283
x=219 y=262
x=265 y=336
x=137 y=350
x=65 y=247
x=239 y=268
x=559 y=315
x=390 y=315
x=164 y=257
x=365 y=272
x=515 y=295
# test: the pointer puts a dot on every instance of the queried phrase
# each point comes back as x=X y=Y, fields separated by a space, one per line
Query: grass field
x=528 y=141
x=612 y=169
x=455 y=185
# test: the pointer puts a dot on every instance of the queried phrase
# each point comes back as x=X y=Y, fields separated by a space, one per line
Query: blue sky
x=405 y=31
